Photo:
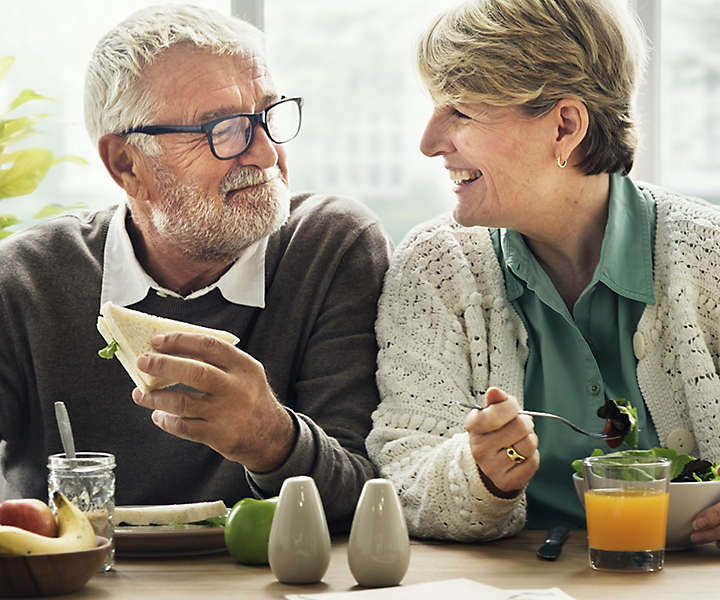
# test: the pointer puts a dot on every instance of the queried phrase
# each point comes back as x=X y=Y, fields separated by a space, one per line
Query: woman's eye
x=460 y=115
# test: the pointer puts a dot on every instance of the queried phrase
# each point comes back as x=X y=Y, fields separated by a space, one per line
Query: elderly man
x=190 y=124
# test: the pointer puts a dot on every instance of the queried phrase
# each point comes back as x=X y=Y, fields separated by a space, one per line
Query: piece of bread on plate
x=166 y=514
x=132 y=332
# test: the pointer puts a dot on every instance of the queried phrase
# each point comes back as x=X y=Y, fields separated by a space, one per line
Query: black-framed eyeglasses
x=232 y=135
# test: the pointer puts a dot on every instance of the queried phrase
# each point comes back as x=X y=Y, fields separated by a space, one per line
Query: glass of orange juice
x=626 y=507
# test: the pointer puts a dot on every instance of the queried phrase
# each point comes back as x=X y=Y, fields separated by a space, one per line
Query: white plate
x=168 y=540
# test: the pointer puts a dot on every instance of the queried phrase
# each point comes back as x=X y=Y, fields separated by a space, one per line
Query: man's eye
x=459 y=114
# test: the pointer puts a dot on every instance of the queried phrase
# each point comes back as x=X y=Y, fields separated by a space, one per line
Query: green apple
x=248 y=529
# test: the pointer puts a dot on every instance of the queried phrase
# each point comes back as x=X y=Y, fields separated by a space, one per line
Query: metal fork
x=532 y=413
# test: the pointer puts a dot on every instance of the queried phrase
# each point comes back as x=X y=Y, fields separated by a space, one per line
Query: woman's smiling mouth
x=460 y=177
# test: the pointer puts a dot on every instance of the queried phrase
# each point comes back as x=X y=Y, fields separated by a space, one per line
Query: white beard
x=211 y=229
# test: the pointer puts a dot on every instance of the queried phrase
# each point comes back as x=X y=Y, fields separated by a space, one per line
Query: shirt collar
x=626 y=256
x=125 y=282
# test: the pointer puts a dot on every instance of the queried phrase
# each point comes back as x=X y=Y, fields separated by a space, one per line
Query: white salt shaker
x=299 y=543
x=379 y=547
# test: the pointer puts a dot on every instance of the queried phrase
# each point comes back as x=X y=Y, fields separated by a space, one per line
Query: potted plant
x=22 y=170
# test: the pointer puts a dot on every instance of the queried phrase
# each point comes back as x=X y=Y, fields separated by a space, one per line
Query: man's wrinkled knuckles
x=177 y=403
x=173 y=424
x=198 y=372
x=211 y=345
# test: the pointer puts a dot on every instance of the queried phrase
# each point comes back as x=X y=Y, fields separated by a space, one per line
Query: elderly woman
x=557 y=283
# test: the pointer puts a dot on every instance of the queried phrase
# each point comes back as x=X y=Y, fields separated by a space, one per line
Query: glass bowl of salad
x=695 y=485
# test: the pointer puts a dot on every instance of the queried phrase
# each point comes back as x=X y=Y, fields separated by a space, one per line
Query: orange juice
x=631 y=520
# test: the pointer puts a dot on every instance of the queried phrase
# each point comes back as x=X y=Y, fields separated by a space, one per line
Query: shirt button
x=638 y=342
x=681 y=440
x=594 y=388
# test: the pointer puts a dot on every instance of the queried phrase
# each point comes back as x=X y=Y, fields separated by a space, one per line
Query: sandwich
x=128 y=334
x=209 y=514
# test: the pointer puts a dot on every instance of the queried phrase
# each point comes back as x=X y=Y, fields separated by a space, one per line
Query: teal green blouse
x=578 y=358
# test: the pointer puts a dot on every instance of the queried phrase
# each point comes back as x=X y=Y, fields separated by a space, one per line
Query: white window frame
x=252 y=11
x=647 y=165
x=647 y=160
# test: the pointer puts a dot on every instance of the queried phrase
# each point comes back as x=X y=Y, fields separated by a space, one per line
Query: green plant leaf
x=4 y=233
x=12 y=130
x=8 y=220
x=52 y=210
x=24 y=97
x=5 y=64
x=73 y=158
x=28 y=170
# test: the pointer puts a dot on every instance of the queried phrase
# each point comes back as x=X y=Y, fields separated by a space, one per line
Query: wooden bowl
x=48 y=574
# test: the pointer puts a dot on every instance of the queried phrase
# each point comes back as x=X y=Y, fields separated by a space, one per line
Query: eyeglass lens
x=232 y=136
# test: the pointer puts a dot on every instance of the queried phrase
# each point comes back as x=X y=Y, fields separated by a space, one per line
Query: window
x=52 y=42
x=365 y=108
x=689 y=99
x=355 y=65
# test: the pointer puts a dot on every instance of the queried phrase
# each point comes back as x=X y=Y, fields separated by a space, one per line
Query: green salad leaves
x=683 y=467
x=621 y=420
x=109 y=350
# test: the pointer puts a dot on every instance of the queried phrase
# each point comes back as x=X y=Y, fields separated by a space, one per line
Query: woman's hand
x=706 y=526
x=492 y=432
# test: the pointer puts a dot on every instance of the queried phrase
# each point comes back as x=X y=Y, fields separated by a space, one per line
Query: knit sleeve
x=432 y=350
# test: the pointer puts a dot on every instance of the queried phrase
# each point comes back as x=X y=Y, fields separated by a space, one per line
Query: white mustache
x=244 y=177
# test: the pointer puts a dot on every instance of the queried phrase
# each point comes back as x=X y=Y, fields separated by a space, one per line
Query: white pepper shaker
x=299 y=543
x=379 y=546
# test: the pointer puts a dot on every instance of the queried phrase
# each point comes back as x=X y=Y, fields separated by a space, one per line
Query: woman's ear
x=120 y=160
x=571 y=118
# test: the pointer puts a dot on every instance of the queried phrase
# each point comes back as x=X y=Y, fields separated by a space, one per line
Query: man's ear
x=120 y=159
x=571 y=122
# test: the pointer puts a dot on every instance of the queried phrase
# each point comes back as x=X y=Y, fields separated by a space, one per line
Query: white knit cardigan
x=446 y=332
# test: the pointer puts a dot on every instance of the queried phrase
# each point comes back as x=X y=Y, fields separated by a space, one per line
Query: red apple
x=30 y=514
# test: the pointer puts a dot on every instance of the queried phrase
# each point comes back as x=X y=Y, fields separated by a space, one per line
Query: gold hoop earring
x=561 y=163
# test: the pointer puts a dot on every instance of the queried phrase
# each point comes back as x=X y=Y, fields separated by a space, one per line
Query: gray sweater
x=323 y=270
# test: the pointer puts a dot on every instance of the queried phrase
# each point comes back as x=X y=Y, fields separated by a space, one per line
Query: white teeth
x=464 y=176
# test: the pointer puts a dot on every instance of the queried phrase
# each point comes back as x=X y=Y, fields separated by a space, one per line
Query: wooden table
x=507 y=563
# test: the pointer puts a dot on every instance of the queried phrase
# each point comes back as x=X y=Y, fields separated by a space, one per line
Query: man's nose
x=262 y=151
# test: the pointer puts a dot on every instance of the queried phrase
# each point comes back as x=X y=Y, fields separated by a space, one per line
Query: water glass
x=88 y=481
x=626 y=507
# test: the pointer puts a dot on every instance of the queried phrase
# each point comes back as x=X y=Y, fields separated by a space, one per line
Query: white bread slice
x=165 y=514
x=133 y=331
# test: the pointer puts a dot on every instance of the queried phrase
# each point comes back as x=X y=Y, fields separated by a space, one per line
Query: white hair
x=116 y=99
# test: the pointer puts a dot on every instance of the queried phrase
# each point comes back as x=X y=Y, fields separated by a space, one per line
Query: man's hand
x=492 y=432
x=233 y=410
x=706 y=526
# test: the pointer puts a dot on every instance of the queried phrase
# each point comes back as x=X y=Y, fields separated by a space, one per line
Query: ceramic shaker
x=379 y=548
x=299 y=543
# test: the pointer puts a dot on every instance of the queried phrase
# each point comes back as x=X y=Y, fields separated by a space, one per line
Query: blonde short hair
x=532 y=53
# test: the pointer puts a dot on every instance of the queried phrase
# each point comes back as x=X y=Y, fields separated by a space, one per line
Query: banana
x=74 y=533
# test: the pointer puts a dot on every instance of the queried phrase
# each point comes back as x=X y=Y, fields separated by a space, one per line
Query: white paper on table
x=458 y=589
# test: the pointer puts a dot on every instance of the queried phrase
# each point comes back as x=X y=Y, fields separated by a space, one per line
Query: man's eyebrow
x=224 y=111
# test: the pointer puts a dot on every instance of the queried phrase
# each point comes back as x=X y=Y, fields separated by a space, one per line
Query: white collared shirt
x=125 y=282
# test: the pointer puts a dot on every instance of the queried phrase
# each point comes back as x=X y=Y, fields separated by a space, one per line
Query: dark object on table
x=556 y=537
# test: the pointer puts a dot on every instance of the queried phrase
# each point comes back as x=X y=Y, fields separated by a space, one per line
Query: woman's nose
x=434 y=141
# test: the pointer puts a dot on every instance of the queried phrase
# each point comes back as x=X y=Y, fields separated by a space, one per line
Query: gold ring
x=514 y=455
